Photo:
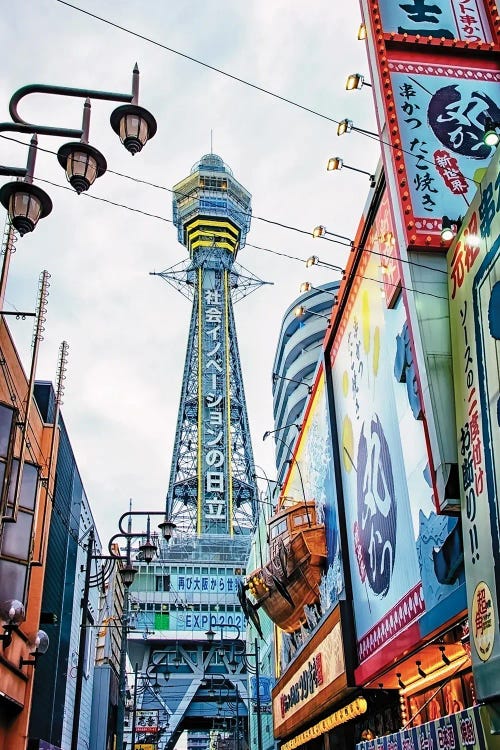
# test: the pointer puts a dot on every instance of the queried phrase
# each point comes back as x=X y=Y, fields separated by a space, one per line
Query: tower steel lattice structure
x=212 y=489
x=191 y=589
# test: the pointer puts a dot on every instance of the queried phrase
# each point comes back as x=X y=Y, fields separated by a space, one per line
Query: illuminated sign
x=309 y=680
x=442 y=111
x=322 y=668
x=213 y=443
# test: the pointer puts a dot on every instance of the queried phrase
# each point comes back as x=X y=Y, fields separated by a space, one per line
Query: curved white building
x=297 y=354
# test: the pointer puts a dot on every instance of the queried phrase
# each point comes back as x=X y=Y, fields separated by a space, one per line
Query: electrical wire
x=248 y=214
x=251 y=85
x=268 y=250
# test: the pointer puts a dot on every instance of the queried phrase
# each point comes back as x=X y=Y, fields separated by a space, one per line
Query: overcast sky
x=127 y=330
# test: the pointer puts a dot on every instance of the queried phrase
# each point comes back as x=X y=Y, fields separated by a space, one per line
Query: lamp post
x=127 y=574
x=27 y=203
x=252 y=669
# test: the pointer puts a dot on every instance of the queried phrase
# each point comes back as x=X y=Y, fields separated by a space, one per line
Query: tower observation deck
x=212 y=489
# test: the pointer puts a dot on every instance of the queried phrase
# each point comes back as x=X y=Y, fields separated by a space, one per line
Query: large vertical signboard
x=474 y=285
x=311 y=476
x=384 y=461
x=439 y=82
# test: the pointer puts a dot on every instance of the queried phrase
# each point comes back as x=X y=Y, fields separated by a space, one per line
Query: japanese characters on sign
x=213 y=437
x=463 y=729
x=204 y=584
x=442 y=112
x=442 y=19
x=322 y=668
x=474 y=283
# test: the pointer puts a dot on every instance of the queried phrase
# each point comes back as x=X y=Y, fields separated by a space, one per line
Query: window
x=162 y=583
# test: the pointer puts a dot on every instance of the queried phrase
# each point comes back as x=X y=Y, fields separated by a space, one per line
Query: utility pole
x=257 y=707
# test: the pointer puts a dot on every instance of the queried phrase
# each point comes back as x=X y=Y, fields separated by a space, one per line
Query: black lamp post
x=83 y=163
x=147 y=550
x=252 y=669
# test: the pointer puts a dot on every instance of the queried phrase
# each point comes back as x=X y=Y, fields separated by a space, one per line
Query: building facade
x=55 y=681
x=28 y=448
x=298 y=351
x=398 y=439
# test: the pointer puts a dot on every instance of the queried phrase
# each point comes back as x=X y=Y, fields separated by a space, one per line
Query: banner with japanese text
x=474 y=288
x=392 y=527
x=444 y=19
x=459 y=731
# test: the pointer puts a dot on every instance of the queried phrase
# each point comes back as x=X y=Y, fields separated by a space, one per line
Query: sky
x=127 y=330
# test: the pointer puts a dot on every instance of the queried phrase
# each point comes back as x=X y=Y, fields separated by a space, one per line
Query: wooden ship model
x=290 y=580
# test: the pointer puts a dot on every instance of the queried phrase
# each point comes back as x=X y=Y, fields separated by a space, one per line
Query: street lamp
x=13 y=613
x=40 y=646
x=83 y=163
x=127 y=571
x=251 y=668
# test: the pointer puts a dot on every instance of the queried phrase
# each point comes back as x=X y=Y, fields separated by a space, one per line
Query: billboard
x=474 y=287
x=311 y=476
x=436 y=83
x=392 y=526
x=444 y=19
x=441 y=111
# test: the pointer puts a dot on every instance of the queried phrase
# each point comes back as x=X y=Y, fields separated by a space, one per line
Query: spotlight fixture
x=491 y=137
x=445 y=659
x=449 y=228
x=300 y=311
x=400 y=681
x=419 y=669
x=312 y=261
x=356 y=81
x=319 y=231
x=306 y=286
x=335 y=163
x=362 y=32
x=344 y=126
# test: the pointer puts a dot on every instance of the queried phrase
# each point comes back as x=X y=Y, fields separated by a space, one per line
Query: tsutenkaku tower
x=212 y=487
